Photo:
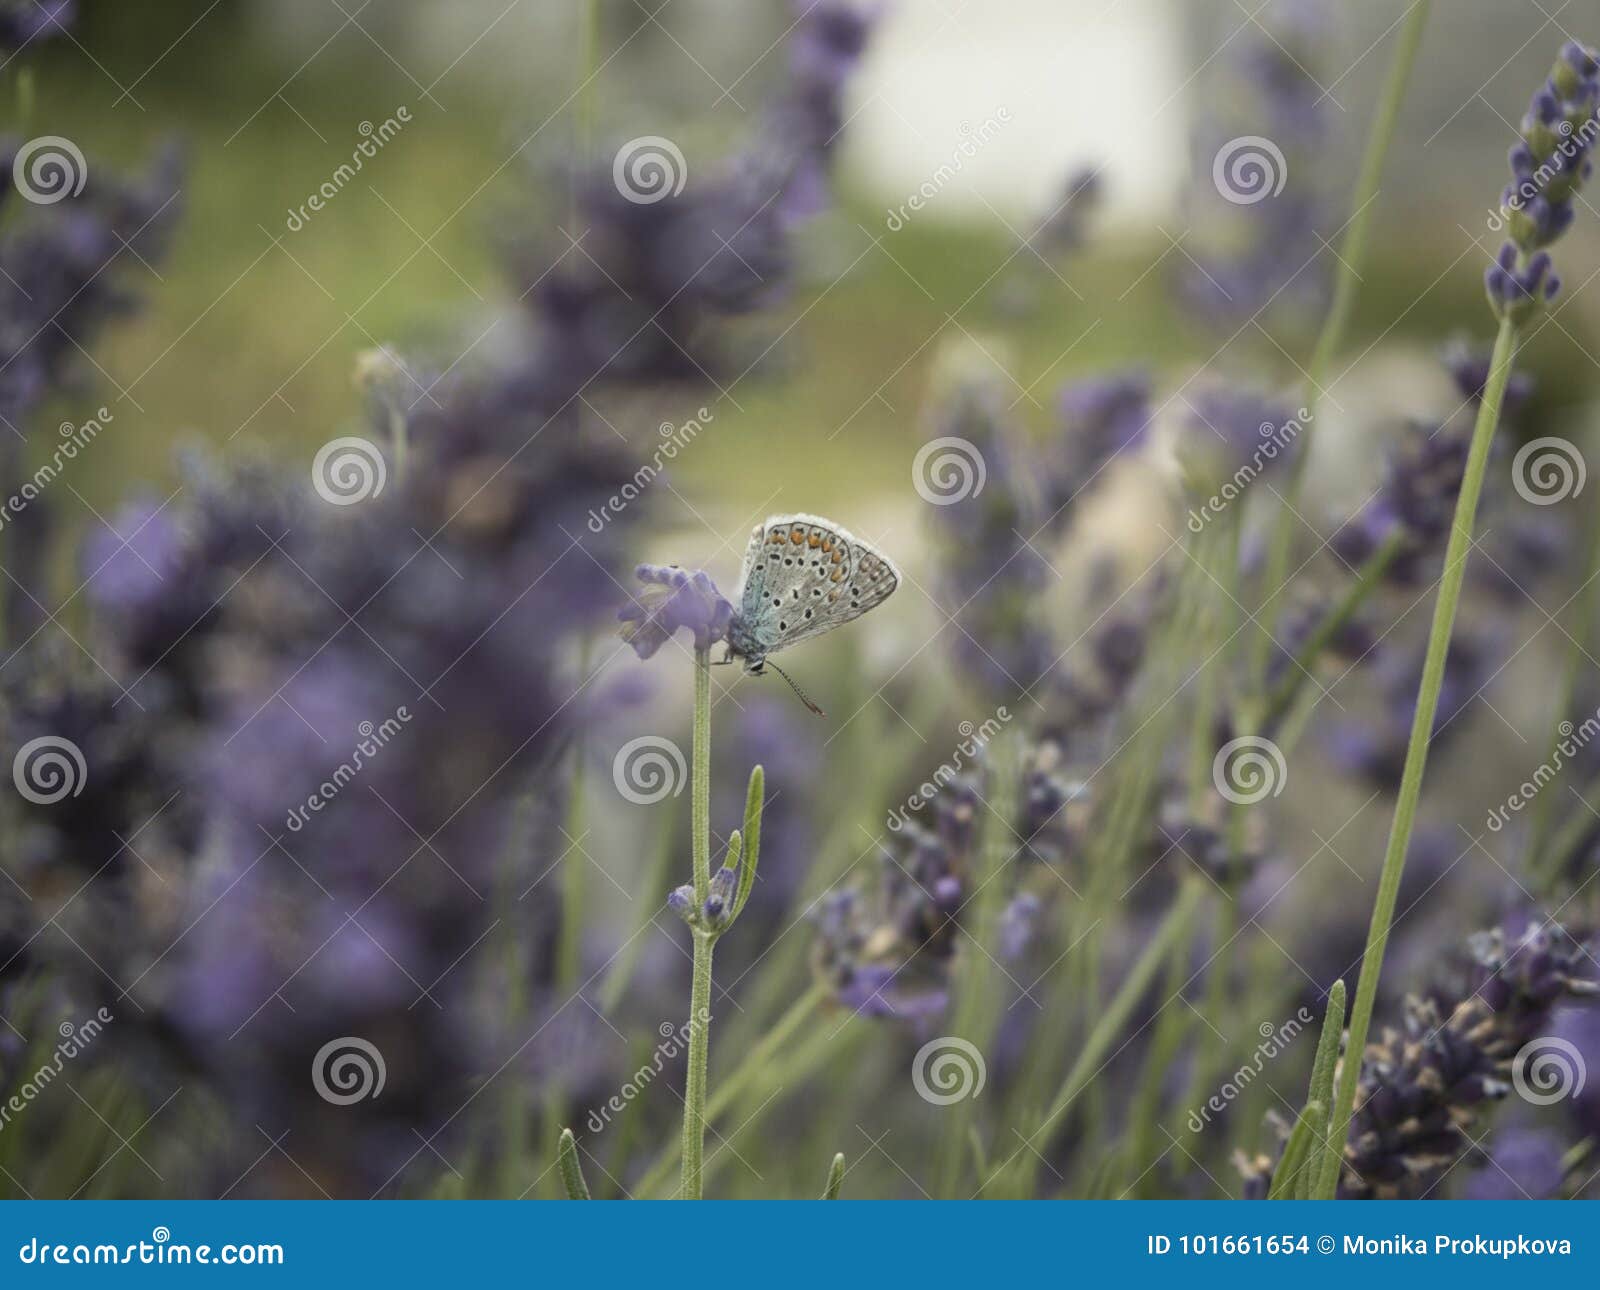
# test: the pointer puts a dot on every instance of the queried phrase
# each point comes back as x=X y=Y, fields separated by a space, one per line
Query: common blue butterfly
x=802 y=576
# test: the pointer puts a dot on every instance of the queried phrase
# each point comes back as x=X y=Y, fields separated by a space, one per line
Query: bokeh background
x=255 y=329
x=252 y=334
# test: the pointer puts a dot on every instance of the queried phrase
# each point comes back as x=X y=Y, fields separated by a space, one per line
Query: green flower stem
x=694 y=1093
x=1172 y=934
x=400 y=440
x=1352 y=254
x=976 y=1012
x=833 y=1045
x=757 y=1059
x=1405 y=809
x=1214 y=553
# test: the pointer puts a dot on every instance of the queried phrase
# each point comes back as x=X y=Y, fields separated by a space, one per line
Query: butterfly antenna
x=798 y=691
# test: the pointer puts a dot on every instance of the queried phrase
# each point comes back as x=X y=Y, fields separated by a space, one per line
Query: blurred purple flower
x=674 y=599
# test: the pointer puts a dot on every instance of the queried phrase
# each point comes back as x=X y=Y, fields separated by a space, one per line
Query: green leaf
x=754 y=799
x=731 y=860
x=835 y=1177
x=1323 y=1182
x=571 y=1170
x=1307 y=1133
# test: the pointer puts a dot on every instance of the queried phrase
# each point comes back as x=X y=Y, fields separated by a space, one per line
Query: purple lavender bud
x=674 y=598
x=719 y=899
x=680 y=900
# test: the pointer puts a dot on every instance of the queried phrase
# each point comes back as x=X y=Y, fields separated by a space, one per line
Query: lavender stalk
x=1548 y=166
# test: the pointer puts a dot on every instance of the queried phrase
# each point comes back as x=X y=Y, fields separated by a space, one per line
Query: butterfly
x=802 y=576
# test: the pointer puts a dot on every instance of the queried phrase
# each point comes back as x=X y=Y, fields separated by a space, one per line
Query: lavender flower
x=991 y=575
x=674 y=599
x=1263 y=252
x=24 y=21
x=1234 y=433
x=1548 y=166
x=1425 y=1087
x=1101 y=419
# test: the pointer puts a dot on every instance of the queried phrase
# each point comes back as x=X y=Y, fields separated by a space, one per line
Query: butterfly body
x=803 y=575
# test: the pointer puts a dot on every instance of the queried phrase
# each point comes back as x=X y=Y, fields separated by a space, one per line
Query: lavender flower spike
x=1548 y=166
x=674 y=598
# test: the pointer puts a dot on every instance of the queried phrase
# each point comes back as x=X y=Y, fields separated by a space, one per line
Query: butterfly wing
x=806 y=575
